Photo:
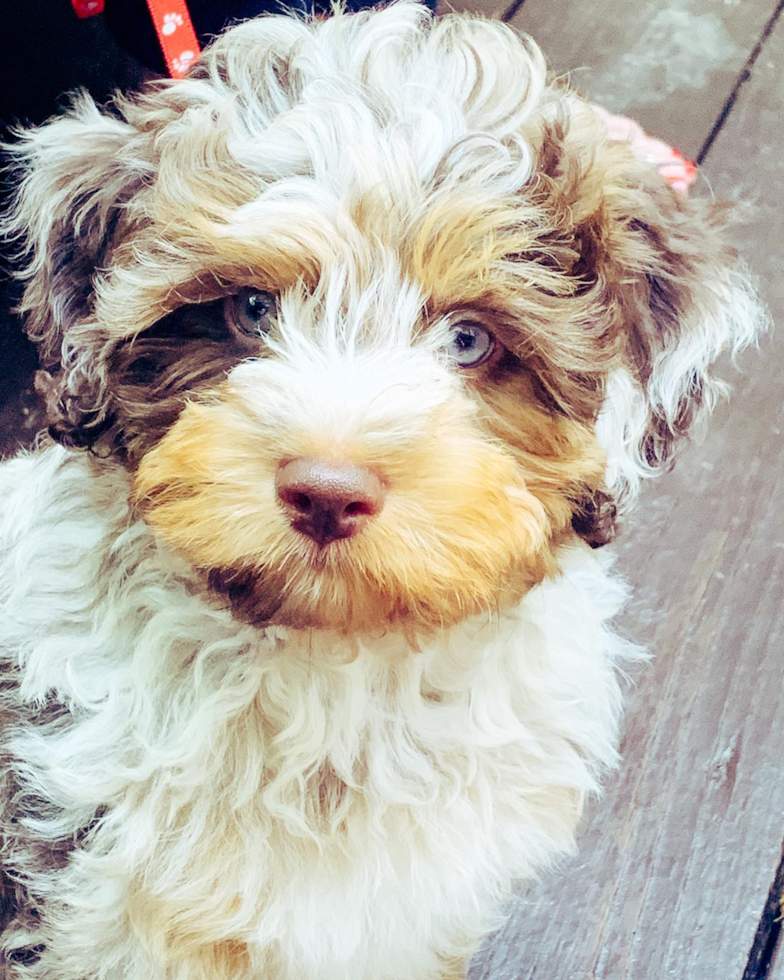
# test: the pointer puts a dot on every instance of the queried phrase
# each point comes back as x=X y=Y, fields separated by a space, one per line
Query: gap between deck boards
x=768 y=935
x=743 y=77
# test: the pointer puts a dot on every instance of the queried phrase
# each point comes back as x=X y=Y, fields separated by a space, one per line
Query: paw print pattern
x=181 y=64
x=170 y=23
x=174 y=27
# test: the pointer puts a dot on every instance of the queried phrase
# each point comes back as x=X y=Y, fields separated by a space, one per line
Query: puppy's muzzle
x=328 y=501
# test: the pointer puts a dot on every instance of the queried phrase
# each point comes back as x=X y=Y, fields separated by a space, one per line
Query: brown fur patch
x=154 y=374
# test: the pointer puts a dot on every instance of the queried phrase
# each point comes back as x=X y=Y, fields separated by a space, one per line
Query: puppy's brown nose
x=328 y=501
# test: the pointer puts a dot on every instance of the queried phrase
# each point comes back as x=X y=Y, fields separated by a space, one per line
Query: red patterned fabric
x=176 y=35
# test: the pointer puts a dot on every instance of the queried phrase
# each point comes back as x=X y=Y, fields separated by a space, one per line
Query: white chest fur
x=275 y=803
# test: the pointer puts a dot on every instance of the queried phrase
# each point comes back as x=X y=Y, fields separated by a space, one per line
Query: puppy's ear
x=75 y=174
x=684 y=298
x=672 y=293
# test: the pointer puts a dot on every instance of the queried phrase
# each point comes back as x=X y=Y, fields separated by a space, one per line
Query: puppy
x=371 y=335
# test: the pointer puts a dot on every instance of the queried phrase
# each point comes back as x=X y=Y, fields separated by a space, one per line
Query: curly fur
x=329 y=806
x=228 y=755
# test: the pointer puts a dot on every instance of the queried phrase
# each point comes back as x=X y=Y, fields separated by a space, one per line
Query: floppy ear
x=669 y=296
x=684 y=298
x=76 y=172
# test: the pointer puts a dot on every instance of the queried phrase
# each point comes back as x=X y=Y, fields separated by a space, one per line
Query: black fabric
x=130 y=23
x=132 y=27
x=48 y=52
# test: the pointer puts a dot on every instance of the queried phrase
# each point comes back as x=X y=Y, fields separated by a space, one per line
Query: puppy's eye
x=252 y=312
x=469 y=344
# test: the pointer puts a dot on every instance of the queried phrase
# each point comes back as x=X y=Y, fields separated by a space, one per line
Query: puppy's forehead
x=434 y=82
x=297 y=149
x=449 y=244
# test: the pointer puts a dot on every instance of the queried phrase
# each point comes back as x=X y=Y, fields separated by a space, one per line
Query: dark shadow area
x=48 y=52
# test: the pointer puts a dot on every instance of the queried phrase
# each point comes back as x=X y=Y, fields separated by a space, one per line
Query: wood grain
x=677 y=863
x=671 y=64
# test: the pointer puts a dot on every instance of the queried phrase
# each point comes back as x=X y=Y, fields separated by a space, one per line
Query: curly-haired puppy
x=370 y=332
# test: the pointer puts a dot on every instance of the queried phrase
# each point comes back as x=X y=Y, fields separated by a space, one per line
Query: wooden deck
x=679 y=870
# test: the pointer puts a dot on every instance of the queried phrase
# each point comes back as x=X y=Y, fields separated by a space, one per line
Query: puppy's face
x=354 y=456
x=365 y=306
x=393 y=365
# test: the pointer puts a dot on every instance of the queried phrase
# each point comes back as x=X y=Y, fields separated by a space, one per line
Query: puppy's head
x=375 y=314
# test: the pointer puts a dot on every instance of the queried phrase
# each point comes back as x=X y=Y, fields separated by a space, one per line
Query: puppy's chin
x=329 y=593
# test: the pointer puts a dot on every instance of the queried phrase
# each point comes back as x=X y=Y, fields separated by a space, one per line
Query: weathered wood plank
x=676 y=863
x=647 y=57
